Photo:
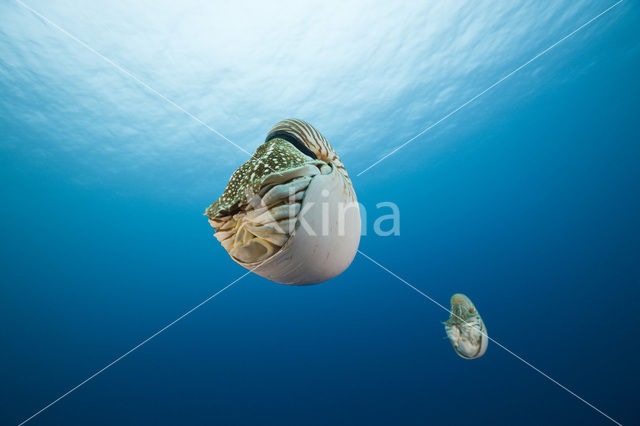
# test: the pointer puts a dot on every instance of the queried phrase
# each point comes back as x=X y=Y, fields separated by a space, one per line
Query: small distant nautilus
x=290 y=213
x=465 y=329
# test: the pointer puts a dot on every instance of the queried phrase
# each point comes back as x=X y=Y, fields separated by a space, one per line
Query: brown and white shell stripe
x=318 y=144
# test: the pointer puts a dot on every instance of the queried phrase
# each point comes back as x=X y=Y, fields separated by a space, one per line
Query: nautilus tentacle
x=290 y=213
x=465 y=328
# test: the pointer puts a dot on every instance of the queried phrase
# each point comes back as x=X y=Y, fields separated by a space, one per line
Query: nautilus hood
x=274 y=161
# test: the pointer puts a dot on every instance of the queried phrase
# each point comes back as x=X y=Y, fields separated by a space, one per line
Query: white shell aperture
x=465 y=328
x=290 y=213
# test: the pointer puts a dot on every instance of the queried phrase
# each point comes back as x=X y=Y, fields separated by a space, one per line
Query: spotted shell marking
x=272 y=157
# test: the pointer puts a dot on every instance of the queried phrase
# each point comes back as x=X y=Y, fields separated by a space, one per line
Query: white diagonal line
x=129 y=74
x=134 y=348
x=518 y=357
x=492 y=86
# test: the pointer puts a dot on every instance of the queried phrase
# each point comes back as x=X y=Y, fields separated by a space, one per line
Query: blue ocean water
x=527 y=200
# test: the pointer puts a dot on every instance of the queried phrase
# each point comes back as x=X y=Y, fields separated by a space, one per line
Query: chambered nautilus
x=290 y=213
x=465 y=329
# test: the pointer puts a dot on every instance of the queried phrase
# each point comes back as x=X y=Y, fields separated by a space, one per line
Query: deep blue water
x=527 y=200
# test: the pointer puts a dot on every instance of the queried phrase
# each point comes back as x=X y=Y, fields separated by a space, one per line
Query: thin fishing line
x=490 y=87
x=97 y=373
x=129 y=74
x=518 y=357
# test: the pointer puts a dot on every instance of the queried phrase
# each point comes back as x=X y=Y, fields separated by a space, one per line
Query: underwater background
x=527 y=200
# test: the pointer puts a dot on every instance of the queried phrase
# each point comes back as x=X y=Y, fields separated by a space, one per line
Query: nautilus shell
x=465 y=329
x=290 y=213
